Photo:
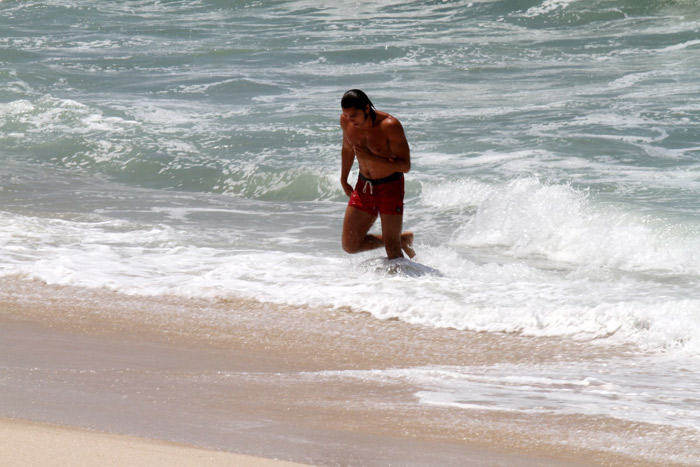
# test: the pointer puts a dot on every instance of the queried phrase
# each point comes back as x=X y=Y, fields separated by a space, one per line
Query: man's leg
x=407 y=244
x=356 y=238
x=391 y=234
x=355 y=227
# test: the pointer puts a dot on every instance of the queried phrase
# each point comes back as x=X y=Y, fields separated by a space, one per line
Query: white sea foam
x=529 y=219
x=535 y=260
x=13 y=109
x=54 y=116
x=681 y=46
x=465 y=192
x=650 y=390
x=547 y=7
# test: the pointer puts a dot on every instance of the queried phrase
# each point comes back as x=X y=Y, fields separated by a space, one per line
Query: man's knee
x=351 y=246
x=352 y=249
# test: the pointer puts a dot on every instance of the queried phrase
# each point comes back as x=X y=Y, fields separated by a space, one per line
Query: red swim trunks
x=381 y=195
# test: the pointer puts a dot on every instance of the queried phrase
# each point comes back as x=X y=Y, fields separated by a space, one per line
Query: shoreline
x=114 y=383
x=262 y=381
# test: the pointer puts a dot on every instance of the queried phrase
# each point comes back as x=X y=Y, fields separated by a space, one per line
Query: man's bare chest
x=375 y=142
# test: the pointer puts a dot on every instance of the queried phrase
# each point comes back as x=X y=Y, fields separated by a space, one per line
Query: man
x=377 y=140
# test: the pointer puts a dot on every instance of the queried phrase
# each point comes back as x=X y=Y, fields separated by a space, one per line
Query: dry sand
x=29 y=444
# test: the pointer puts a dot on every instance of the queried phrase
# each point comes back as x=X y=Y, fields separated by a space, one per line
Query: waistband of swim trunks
x=378 y=181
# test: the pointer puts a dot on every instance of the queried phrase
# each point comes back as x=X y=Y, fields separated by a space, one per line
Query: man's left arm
x=400 y=152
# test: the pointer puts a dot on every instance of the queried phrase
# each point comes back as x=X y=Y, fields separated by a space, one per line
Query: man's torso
x=373 y=140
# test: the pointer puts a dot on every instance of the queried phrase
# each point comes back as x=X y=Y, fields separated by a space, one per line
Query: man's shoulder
x=390 y=120
x=345 y=125
x=390 y=124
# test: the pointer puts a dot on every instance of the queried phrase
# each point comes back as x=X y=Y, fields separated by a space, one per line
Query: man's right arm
x=347 y=159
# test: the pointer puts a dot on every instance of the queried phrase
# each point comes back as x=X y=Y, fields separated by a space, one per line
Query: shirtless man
x=377 y=141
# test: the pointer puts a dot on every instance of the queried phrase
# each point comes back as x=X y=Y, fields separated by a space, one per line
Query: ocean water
x=192 y=148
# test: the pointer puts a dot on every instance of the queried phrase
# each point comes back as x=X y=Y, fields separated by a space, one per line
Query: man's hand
x=347 y=188
x=363 y=152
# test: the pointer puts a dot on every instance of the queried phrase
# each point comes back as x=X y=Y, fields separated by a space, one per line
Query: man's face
x=357 y=117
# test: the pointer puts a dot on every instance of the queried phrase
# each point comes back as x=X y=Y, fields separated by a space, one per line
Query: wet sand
x=243 y=377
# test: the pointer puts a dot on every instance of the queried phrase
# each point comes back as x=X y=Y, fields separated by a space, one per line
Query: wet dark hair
x=356 y=99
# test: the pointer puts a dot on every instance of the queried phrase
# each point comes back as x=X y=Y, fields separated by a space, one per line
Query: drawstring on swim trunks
x=375 y=181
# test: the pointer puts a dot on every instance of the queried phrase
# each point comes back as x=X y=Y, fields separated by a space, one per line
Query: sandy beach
x=35 y=444
x=264 y=385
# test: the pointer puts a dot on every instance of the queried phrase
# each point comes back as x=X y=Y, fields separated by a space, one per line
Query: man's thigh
x=356 y=224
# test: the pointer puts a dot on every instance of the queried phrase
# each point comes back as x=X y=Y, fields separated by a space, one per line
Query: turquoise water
x=193 y=148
